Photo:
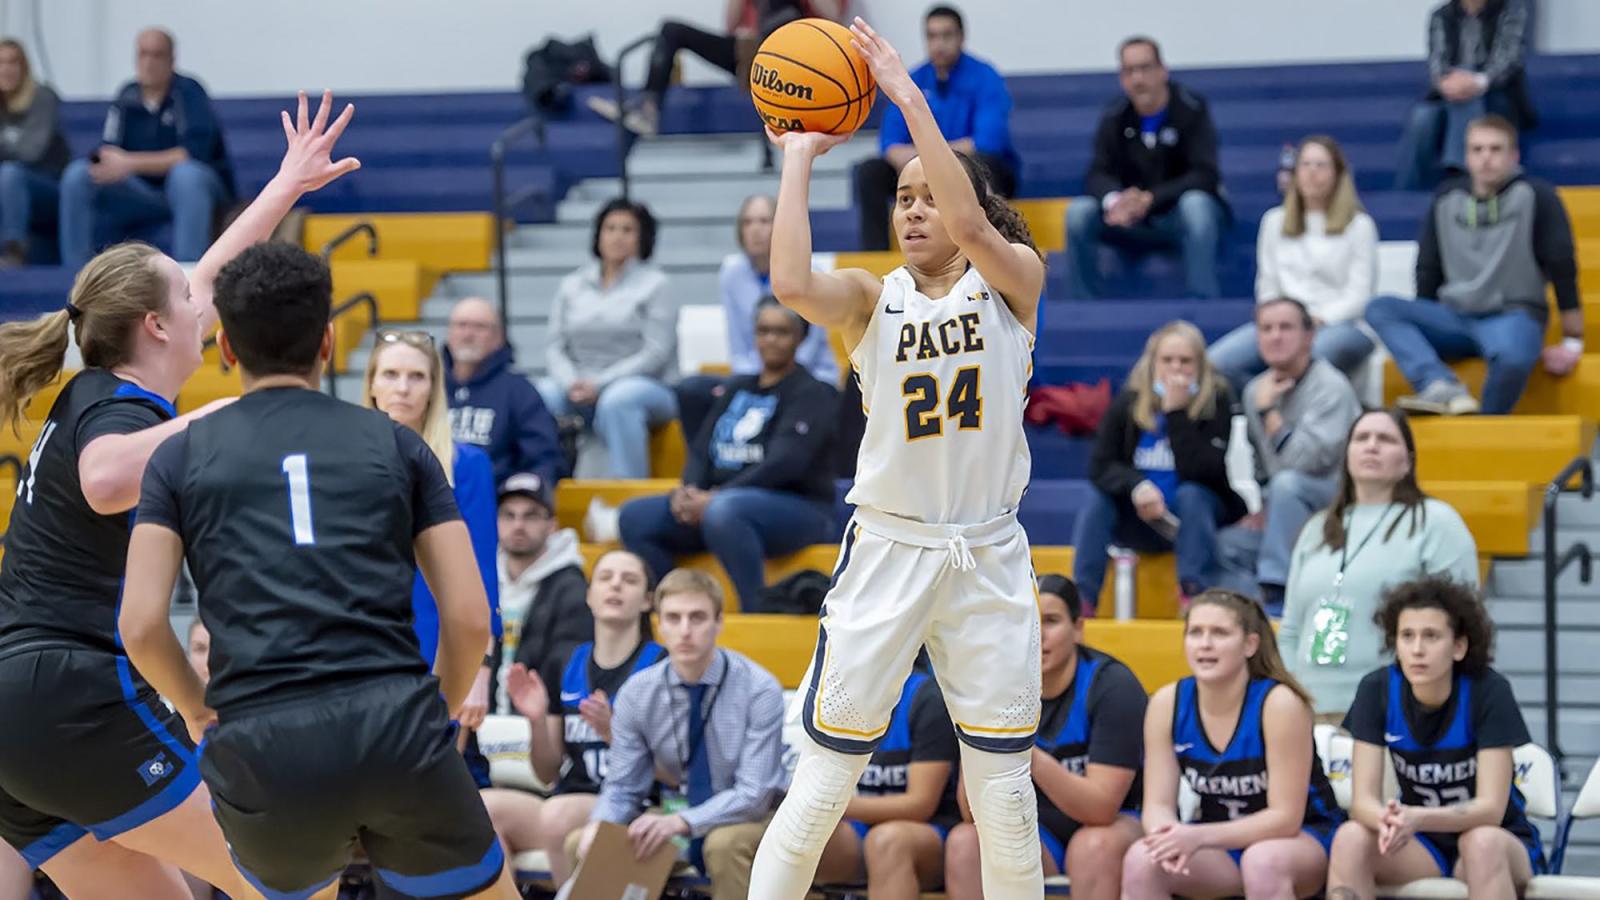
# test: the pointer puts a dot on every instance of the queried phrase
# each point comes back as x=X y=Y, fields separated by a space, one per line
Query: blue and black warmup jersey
x=63 y=673
x=572 y=679
x=1435 y=751
x=1098 y=719
x=1232 y=782
x=61 y=578
x=919 y=731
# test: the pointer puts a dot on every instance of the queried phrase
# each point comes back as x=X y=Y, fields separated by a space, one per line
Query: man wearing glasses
x=492 y=405
x=1154 y=182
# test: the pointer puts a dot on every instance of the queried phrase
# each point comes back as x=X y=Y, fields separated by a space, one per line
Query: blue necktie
x=699 y=774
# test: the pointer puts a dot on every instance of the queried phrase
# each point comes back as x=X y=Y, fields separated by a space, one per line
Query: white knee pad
x=1000 y=789
x=824 y=782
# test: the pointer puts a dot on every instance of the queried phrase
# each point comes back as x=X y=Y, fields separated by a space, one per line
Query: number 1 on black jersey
x=294 y=466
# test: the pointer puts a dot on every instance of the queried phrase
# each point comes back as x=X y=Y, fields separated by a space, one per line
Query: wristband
x=1572 y=345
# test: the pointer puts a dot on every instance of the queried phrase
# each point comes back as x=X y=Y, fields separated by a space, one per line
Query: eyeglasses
x=419 y=339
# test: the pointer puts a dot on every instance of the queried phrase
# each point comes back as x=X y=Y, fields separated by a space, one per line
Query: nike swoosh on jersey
x=570 y=698
x=1180 y=748
x=1392 y=738
x=892 y=311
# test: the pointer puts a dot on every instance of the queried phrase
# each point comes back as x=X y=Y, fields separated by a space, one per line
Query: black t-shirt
x=64 y=562
x=919 y=731
x=774 y=437
x=1098 y=719
x=569 y=679
x=1435 y=751
x=298 y=514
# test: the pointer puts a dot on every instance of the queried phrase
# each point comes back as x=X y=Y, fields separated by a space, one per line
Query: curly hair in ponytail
x=1002 y=215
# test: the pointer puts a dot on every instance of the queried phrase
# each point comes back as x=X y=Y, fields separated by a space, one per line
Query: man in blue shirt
x=161 y=158
x=973 y=108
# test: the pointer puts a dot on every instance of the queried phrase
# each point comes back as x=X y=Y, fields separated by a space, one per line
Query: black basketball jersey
x=584 y=769
x=62 y=574
x=298 y=514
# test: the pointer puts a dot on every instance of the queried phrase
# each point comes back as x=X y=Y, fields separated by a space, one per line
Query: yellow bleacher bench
x=452 y=241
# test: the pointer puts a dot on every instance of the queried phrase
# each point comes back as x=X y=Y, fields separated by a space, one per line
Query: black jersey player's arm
x=1160 y=807
x=307 y=165
x=1488 y=804
x=925 y=783
x=1015 y=270
x=840 y=301
x=1366 y=784
x=111 y=466
x=444 y=555
x=155 y=554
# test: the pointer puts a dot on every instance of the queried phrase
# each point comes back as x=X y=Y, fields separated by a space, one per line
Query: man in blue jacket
x=491 y=405
x=970 y=102
x=161 y=157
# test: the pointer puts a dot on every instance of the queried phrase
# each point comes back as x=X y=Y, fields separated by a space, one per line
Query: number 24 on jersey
x=963 y=405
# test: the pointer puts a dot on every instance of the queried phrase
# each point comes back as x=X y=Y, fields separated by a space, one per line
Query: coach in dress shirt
x=708 y=721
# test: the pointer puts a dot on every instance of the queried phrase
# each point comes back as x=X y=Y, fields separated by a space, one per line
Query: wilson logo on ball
x=763 y=77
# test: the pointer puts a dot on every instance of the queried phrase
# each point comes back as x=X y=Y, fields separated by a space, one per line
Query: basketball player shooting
x=934 y=554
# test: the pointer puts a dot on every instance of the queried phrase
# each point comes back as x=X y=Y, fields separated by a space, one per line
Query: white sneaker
x=1445 y=397
x=641 y=119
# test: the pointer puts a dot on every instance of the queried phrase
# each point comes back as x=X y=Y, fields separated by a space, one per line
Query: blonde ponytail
x=31 y=355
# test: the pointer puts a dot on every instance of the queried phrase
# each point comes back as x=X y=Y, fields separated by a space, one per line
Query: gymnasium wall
x=241 y=47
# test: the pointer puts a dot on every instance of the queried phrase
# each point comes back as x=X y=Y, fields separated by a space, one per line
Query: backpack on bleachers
x=550 y=70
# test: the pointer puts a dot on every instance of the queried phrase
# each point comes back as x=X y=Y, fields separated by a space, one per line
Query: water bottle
x=1123 y=563
x=1285 y=169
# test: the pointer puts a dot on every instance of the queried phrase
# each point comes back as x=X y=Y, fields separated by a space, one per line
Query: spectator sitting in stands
x=1298 y=412
x=1154 y=181
x=720 y=759
x=1086 y=760
x=758 y=482
x=542 y=588
x=743 y=280
x=1321 y=248
x=491 y=405
x=614 y=338
x=1475 y=66
x=1159 y=466
x=1381 y=530
x=33 y=152
x=970 y=102
x=1489 y=245
x=569 y=706
x=893 y=830
x=161 y=157
x=745 y=21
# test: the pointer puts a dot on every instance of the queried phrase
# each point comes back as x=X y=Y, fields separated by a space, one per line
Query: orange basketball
x=807 y=77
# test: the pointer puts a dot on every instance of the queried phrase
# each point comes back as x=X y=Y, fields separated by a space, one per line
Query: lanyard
x=1346 y=554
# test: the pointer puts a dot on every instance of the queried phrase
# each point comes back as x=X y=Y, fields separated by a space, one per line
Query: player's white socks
x=824 y=782
x=1000 y=790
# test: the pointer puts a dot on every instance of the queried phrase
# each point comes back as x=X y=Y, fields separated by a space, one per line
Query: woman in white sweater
x=1321 y=248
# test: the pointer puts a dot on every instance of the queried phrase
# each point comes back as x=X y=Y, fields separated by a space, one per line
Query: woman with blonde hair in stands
x=1238 y=730
x=33 y=152
x=1159 y=467
x=1321 y=248
x=118 y=815
x=405 y=379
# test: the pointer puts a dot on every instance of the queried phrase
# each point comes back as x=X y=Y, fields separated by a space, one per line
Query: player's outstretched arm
x=444 y=554
x=1012 y=269
x=155 y=554
x=111 y=467
x=839 y=301
x=307 y=166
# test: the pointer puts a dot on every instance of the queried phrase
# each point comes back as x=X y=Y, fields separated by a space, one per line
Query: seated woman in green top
x=1381 y=530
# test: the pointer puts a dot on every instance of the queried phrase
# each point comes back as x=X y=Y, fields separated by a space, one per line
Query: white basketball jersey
x=944 y=382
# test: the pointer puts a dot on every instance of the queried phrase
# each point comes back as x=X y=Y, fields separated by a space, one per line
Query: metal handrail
x=503 y=206
x=339 y=239
x=624 y=137
x=365 y=298
x=1554 y=565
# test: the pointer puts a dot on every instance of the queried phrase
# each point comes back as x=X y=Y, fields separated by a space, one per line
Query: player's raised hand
x=809 y=143
x=885 y=62
x=308 y=162
x=596 y=710
x=527 y=692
